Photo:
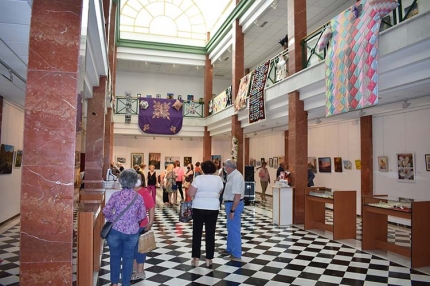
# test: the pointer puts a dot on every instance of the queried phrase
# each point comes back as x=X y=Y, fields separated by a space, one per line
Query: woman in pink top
x=264 y=180
x=145 y=225
x=179 y=178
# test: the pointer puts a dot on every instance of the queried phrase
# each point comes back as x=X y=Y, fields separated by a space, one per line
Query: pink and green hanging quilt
x=352 y=56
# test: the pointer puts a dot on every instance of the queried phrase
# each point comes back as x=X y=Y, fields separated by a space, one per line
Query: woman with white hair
x=125 y=209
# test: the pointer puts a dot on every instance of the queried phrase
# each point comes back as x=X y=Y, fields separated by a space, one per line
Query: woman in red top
x=145 y=225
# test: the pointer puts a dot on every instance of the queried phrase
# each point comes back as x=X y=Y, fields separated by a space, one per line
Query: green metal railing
x=309 y=44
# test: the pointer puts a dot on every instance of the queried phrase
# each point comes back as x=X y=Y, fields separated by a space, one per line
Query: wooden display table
x=376 y=210
x=282 y=211
x=90 y=222
x=344 y=211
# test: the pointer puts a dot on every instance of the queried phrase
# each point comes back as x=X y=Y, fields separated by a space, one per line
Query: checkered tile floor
x=271 y=256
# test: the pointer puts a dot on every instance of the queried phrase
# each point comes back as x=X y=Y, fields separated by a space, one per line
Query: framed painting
x=347 y=165
x=313 y=161
x=136 y=159
x=217 y=161
x=158 y=95
x=405 y=167
x=258 y=163
x=427 y=160
x=188 y=160
x=275 y=162
x=170 y=95
x=383 y=163
x=179 y=96
x=18 y=159
x=263 y=160
x=6 y=159
x=154 y=159
x=121 y=159
x=271 y=162
x=338 y=164
x=324 y=164
x=358 y=164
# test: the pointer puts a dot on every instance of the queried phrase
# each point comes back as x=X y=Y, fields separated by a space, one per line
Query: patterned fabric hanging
x=159 y=116
x=352 y=56
x=256 y=94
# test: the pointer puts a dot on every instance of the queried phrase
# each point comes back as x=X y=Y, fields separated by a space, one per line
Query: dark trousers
x=179 y=184
x=165 y=196
x=208 y=218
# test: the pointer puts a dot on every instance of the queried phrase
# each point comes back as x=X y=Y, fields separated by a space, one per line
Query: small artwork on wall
x=190 y=97
x=275 y=162
x=347 y=165
x=179 y=97
x=337 y=164
x=148 y=96
x=187 y=160
x=324 y=164
x=18 y=158
x=383 y=163
x=258 y=163
x=406 y=167
x=170 y=95
x=154 y=159
x=217 y=161
x=312 y=161
x=136 y=159
x=6 y=159
x=170 y=160
x=271 y=162
x=427 y=160
x=121 y=159
x=358 y=164
x=263 y=160
x=158 y=95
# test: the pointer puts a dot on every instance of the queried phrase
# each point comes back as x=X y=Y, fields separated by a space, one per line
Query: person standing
x=142 y=170
x=264 y=180
x=205 y=190
x=145 y=225
x=170 y=184
x=179 y=178
x=188 y=179
x=280 y=169
x=123 y=237
x=311 y=175
x=197 y=170
x=234 y=192
x=152 y=182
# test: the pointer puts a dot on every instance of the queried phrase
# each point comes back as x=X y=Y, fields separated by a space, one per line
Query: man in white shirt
x=233 y=199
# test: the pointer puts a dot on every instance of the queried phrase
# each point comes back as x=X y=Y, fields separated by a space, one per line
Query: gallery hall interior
x=312 y=114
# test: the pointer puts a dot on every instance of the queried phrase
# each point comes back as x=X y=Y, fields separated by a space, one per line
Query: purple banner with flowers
x=160 y=116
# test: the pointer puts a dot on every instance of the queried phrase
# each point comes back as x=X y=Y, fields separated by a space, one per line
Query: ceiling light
x=197 y=67
x=220 y=59
x=229 y=49
x=406 y=104
x=174 y=65
x=362 y=113
x=256 y=22
x=318 y=121
x=274 y=4
x=146 y=63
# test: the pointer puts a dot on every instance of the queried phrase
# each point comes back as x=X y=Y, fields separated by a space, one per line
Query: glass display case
x=385 y=202
x=320 y=192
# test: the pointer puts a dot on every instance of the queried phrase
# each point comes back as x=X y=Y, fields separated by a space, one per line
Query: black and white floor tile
x=272 y=255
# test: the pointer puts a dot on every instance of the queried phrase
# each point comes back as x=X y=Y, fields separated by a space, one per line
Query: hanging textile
x=160 y=116
x=243 y=93
x=256 y=94
x=352 y=56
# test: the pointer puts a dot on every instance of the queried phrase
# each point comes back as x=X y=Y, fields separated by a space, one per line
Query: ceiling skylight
x=182 y=22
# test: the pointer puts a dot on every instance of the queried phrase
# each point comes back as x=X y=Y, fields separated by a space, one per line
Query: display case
x=376 y=210
x=344 y=211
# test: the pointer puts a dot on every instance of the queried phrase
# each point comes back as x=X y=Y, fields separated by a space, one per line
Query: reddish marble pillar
x=107 y=159
x=94 y=145
x=207 y=145
x=366 y=155
x=47 y=190
x=285 y=148
x=298 y=153
x=237 y=131
x=247 y=152
x=1 y=113
x=208 y=84
x=297 y=30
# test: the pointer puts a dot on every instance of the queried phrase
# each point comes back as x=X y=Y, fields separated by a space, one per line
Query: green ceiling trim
x=161 y=47
x=237 y=12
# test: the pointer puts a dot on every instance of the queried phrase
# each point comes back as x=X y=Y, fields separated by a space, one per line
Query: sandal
x=138 y=276
x=208 y=262
x=195 y=262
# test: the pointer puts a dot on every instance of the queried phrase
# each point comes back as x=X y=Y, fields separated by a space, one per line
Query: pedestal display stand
x=282 y=212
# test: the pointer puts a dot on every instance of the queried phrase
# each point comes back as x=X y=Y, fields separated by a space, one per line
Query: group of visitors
x=132 y=211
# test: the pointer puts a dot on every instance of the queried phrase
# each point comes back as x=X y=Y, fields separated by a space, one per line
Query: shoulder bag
x=108 y=225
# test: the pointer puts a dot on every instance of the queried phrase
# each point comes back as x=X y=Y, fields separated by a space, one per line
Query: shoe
x=138 y=276
x=232 y=258
x=208 y=262
x=195 y=262
x=182 y=201
x=224 y=253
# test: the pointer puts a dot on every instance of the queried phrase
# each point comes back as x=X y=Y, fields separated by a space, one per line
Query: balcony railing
x=309 y=44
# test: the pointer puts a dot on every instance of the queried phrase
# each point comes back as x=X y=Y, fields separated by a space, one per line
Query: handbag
x=186 y=212
x=146 y=242
x=187 y=184
x=109 y=224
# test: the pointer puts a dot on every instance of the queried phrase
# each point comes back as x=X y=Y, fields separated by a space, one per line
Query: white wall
x=10 y=185
x=153 y=84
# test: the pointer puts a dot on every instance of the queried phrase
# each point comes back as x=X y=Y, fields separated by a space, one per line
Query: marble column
x=238 y=71
x=298 y=153
x=366 y=147
x=285 y=147
x=208 y=82
x=297 y=30
x=1 y=113
x=247 y=152
x=94 y=145
x=112 y=67
x=46 y=238
x=107 y=159
x=207 y=145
